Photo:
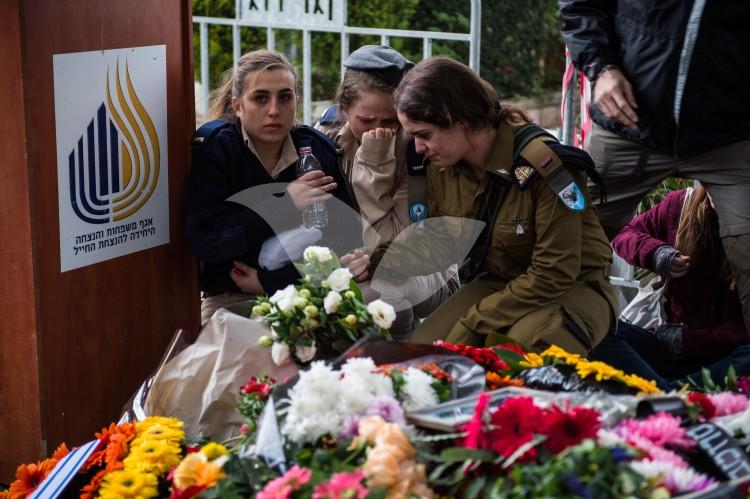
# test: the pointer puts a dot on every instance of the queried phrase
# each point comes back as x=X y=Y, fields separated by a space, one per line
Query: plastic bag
x=647 y=308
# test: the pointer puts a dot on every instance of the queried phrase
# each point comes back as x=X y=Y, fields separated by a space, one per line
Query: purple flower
x=351 y=426
x=387 y=408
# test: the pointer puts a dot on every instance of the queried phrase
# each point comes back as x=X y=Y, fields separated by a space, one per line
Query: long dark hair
x=442 y=92
x=233 y=82
x=698 y=232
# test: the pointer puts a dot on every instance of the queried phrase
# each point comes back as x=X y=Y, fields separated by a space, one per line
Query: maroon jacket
x=701 y=300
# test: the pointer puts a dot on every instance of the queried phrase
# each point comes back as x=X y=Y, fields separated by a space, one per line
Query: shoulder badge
x=548 y=164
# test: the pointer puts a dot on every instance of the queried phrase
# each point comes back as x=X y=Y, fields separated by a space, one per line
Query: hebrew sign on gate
x=299 y=12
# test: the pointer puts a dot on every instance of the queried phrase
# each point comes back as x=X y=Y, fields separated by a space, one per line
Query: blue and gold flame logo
x=114 y=167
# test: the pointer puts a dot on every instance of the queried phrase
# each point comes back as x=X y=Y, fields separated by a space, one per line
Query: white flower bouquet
x=322 y=315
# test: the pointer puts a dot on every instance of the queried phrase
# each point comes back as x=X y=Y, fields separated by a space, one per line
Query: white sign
x=298 y=12
x=111 y=128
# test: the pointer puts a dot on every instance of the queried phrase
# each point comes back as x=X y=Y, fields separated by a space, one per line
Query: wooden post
x=75 y=345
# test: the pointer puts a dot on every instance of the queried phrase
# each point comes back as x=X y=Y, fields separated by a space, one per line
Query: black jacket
x=646 y=38
x=219 y=231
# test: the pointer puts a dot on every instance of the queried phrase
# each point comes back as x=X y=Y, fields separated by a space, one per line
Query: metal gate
x=333 y=19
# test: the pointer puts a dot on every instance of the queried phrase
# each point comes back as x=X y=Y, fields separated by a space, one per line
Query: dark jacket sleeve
x=589 y=32
x=637 y=241
x=217 y=230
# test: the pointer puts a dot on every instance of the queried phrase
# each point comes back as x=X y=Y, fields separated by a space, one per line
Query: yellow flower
x=643 y=385
x=532 y=360
x=213 y=450
x=128 y=484
x=600 y=370
x=159 y=431
x=196 y=470
x=556 y=352
x=150 y=421
x=153 y=456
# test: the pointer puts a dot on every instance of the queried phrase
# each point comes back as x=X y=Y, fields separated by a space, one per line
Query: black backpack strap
x=493 y=198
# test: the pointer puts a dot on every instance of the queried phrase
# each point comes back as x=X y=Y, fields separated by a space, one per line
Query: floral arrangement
x=522 y=450
x=321 y=316
x=599 y=372
x=29 y=476
x=326 y=402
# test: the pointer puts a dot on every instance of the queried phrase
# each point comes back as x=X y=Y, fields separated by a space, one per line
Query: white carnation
x=313 y=405
x=417 y=392
x=280 y=354
x=319 y=254
x=382 y=313
x=305 y=354
x=331 y=302
x=361 y=385
x=339 y=279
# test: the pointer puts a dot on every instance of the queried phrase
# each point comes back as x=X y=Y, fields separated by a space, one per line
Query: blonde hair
x=233 y=81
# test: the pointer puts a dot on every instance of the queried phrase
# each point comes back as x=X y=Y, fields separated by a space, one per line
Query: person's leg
x=544 y=327
x=739 y=359
x=618 y=353
x=725 y=173
x=440 y=322
x=616 y=159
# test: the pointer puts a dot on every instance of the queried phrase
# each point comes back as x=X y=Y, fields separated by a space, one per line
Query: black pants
x=637 y=351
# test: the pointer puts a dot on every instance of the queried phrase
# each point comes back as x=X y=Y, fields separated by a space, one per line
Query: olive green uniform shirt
x=540 y=251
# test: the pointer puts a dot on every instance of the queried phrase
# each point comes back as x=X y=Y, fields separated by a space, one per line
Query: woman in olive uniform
x=538 y=273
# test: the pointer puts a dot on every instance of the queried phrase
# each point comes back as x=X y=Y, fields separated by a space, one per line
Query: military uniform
x=544 y=278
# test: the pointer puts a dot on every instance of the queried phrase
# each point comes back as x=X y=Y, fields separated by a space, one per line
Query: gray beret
x=380 y=60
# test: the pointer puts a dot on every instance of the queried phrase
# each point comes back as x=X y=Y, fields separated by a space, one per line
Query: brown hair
x=442 y=92
x=698 y=231
x=233 y=82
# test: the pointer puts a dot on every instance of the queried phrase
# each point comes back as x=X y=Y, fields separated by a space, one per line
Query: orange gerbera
x=113 y=447
x=28 y=478
x=91 y=490
x=495 y=381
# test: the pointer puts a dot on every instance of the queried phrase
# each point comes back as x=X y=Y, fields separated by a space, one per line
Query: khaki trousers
x=724 y=172
x=537 y=330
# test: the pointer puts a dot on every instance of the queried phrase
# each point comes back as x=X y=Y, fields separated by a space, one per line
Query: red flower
x=485 y=357
x=475 y=439
x=513 y=424
x=571 y=427
x=511 y=347
x=708 y=409
x=255 y=385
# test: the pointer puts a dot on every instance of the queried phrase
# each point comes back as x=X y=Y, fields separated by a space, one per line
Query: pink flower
x=742 y=384
x=342 y=486
x=728 y=403
x=656 y=452
x=661 y=429
x=282 y=487
x=475 y=438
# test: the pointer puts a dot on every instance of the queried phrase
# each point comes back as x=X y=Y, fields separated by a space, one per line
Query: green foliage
x=660 y=191
x=585 y=471
x=521 y=46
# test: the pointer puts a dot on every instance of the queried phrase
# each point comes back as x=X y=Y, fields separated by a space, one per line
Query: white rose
x=317 y=254
x=331 y=302
x=280 y=354
x=382 y=314
x=339 y=279
x=284 y=298
x=306 y=354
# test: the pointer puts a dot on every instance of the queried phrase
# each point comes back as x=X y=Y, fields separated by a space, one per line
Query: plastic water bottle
x=314 y=216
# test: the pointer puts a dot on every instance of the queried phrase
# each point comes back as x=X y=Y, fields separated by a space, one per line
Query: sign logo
x=112 y=171
x=114 y=167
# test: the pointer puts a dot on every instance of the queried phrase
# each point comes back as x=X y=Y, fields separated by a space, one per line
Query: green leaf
x=458 y=454
x=475 y=486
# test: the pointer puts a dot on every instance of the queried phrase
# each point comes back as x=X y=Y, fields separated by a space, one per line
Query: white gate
x=321 y=16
